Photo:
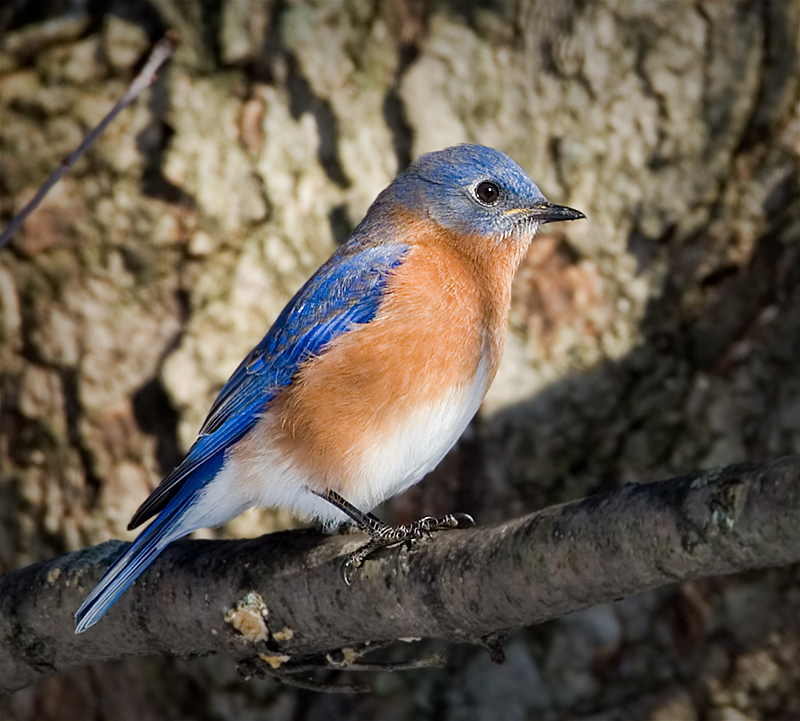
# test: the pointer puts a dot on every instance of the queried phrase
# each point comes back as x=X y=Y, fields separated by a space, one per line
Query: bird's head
x=477 y=191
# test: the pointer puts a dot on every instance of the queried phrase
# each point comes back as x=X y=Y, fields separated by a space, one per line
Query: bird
x=369 y=375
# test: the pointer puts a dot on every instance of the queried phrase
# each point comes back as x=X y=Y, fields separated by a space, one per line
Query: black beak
x=546 y=212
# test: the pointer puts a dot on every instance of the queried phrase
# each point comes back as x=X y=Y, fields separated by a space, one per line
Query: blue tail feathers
x=169 y=526
x=129 y=566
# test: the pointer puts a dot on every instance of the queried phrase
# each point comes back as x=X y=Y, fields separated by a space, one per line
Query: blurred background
x=660 y=336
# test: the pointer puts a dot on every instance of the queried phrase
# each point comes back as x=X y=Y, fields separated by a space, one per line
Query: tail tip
x=84 y=619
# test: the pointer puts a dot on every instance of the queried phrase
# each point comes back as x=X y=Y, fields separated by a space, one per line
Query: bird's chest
x=387 y=400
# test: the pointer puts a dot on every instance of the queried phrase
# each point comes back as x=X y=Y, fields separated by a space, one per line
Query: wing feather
x=345 y=292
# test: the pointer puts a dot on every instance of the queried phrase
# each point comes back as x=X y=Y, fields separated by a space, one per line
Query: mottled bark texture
x=659 y=337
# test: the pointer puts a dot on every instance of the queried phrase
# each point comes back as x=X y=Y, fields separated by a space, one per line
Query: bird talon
x=349 y=567
x=463 y=520
x=387 y=536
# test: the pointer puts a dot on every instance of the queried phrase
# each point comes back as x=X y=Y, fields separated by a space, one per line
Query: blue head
x=476 y=190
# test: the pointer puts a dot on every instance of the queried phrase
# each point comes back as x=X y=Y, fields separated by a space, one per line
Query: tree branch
x=280 y=598
x=162 y=51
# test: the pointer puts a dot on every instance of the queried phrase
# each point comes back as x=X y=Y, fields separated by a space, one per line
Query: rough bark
x=659 y=337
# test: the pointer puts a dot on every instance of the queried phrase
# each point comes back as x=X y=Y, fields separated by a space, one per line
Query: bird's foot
x=384 y=536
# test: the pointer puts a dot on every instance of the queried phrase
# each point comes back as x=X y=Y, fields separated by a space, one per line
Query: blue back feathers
x=347 y=290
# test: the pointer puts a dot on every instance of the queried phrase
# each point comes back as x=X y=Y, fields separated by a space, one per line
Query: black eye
x=487 y=192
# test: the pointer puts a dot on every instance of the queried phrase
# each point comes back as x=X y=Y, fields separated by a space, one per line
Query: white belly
x=269 y=478
x=418 y=446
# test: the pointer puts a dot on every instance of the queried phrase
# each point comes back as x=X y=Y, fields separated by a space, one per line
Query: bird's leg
x=383 y=535
x=367 y=522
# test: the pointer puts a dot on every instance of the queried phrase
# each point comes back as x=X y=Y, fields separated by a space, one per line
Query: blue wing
x=346 y=291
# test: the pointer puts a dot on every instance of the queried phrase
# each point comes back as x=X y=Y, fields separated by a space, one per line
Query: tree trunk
x=659 y=337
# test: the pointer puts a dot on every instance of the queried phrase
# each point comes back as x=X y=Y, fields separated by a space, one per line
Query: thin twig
x=311 y=685
x=435 y=660
x=256 y=668
x=161 y=53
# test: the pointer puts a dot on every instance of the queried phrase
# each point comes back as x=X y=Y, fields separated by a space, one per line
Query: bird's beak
x=546 y=212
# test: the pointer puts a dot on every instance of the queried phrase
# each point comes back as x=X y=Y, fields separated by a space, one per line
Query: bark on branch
x=460 y=586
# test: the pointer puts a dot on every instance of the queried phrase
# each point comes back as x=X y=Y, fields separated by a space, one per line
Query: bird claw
x=348 y=568
x=463 y=520
x=386 y=536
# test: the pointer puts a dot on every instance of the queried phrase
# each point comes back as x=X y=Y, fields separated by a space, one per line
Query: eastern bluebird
x=371 y=372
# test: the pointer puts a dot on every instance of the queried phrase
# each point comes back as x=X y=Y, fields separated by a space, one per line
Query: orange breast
x=444 y=312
